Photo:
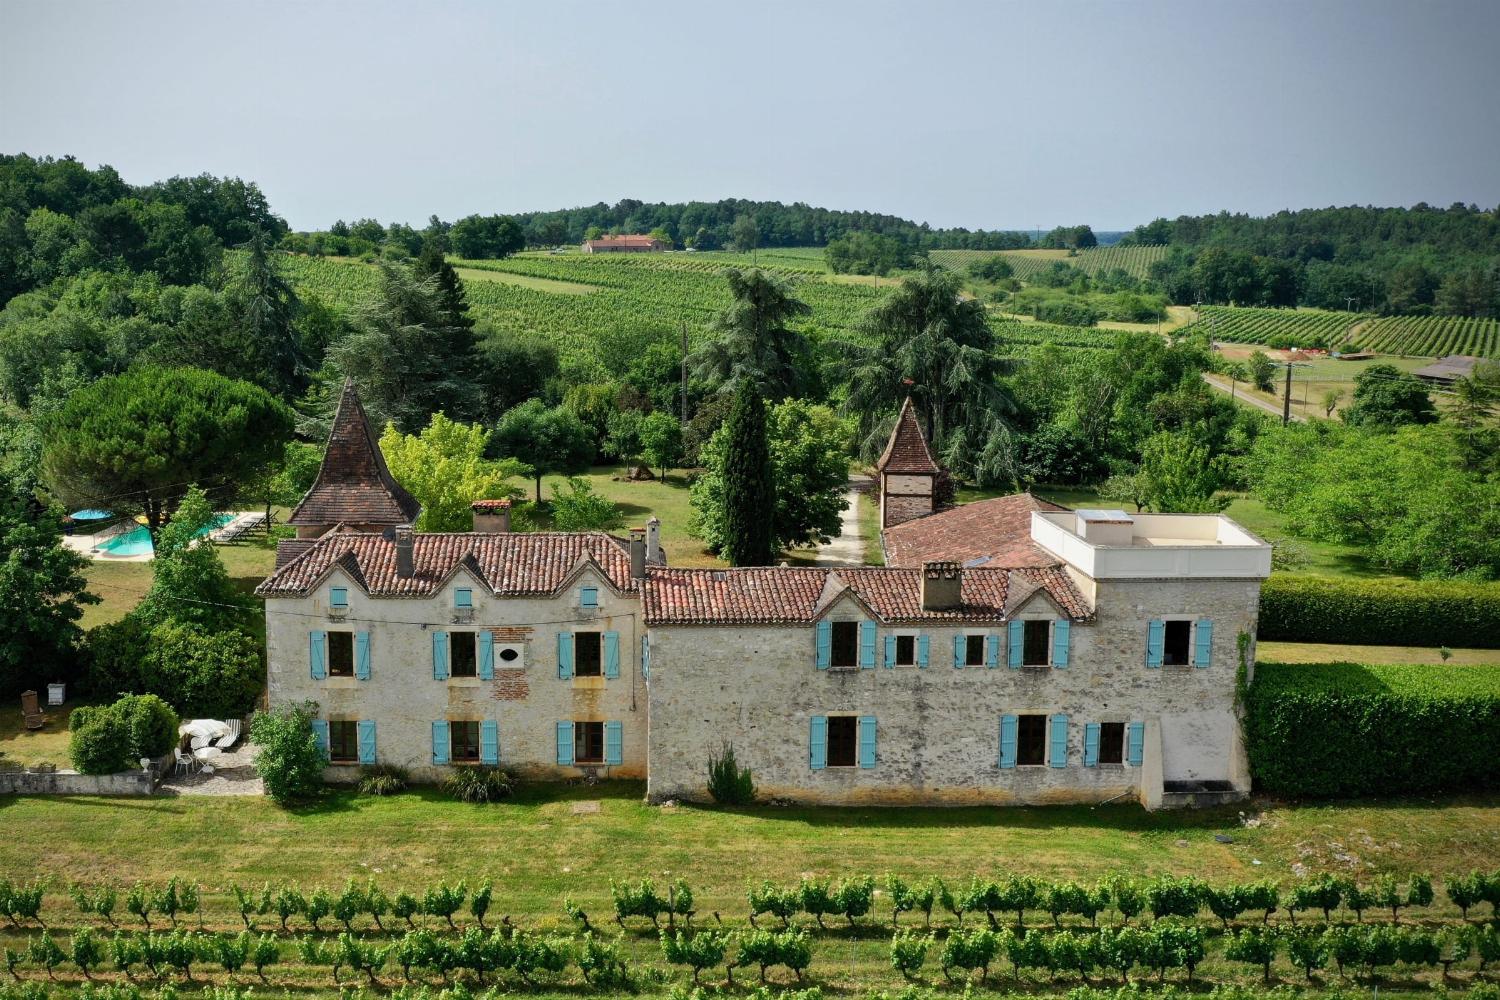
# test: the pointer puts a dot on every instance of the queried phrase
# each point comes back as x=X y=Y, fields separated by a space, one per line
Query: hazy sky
x=981 y=114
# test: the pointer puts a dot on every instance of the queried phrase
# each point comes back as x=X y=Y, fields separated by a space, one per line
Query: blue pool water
x=137 y=541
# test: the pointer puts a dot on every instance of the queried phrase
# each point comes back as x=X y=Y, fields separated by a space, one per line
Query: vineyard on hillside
x=1432 y=336
x=1136 y=260
x=631 y=293
x=1275 y=327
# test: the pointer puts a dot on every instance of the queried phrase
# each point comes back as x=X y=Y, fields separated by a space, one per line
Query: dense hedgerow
x=1345 y=729
x=1380 y=612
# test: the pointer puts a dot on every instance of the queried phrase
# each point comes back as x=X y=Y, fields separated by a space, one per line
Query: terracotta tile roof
x=353 y=485
x=512 y=564
x=906 y=453
x=288 y=549
x=797 y=595
x=624 y=241
x=998 y=530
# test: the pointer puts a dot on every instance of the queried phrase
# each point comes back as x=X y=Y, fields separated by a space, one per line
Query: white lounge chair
x=230 y=738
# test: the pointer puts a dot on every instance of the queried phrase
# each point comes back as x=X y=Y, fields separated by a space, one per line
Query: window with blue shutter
x=867 y=645
x=867 y=741
x=1015 y=633
x=463 y=597
x=1135 y=743
x=825 y=644
x=960 y=643
x=1059 y=752
x=362 y=656
x=338 y=597
x=1061 y=636
x=923 y=647
x=320 y=736
x=1156 y=640
x=440 y=742
x=992 y=651
x=440 y=656
x=565 y=658
x=614 y=743
x=367 y=741
x=1091 y=744
x=489 y=742
x=588 y=597
x=611 y=654
x=890 y=651
x=646 y=656
x=1008 y=727
x=1203 y=643
x=486 y=655
x=565 y=743
x=317 y=654
x=817 y=742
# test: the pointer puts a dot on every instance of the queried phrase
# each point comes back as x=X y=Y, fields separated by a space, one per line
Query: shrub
x=772 y=899
x=1380 y=612
x=970 y=950
x=699 y=951
x=909 y=952
x=1346 y=729
x=480 y=784
x=382 y=779
x=853 y=897
x=601 y=964
x=214 y=674
x=1308 y=951
x=290 y=762
x=1254 y=947
x=98 y=741
x=639 y=900
x=728 y=783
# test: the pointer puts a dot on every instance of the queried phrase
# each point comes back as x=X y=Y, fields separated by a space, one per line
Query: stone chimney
x=638 y=553
x=653 y=542
x=405 y=564
x=491 y=517
x=942 y=586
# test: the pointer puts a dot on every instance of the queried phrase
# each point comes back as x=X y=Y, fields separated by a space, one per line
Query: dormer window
x=588 y=597
x=463 y=598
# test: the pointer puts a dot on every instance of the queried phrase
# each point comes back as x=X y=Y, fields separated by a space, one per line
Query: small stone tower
x=908 y=474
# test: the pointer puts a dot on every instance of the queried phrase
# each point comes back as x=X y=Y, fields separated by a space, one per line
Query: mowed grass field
x=557 y=842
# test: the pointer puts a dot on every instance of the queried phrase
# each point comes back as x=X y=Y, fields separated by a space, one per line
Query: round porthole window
x=509 y=655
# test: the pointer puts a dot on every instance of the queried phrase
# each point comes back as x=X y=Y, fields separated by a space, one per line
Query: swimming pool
x=137 y=541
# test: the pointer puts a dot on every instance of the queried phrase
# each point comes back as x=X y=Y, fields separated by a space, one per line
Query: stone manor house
x=1010 y=651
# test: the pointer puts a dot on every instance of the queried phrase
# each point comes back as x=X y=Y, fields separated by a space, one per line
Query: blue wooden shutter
x=1061 y=635
x=362 y=656
x=440 y=743
x=489 y=742
x=922 y=651
x=1059 y=754
x=611 y=654
x=1135 y=744
x=1156 y=641
x=588 y=597
x=463 y=597
x=338 y=597
x=367 y=741
x=817 y=742
x=1091 y=744
x=867 y=645
x=564 y=655
x=317 y=657
x=959 y=646
x=646 y=656
x=992 y=651
x=614 y=743
x=1016 y=633
x=565 y=743
x=1203 y=643
x=825 y=644
x=1009 y=725
x=486 y=655
x=440 y=656
x=867 y=741
x=890 y=651
x=320 y=736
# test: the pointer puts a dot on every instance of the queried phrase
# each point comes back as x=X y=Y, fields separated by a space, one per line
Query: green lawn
x=28 y=747
x=570 y=841
x=1319 y=652
x=121 y=585
x=638 y=501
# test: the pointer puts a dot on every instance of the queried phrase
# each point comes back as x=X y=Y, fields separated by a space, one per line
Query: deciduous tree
x=445 y=468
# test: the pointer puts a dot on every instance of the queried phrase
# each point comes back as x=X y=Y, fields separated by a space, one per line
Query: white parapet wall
x=1160 y=546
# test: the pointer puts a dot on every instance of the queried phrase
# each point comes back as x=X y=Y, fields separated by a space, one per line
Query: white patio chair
x=183 y=762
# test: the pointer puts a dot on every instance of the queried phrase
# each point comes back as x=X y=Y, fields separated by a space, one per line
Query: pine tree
x=432 y=264
x=749 y=492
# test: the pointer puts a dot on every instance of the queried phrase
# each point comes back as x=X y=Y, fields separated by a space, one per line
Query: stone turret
x=908 y=473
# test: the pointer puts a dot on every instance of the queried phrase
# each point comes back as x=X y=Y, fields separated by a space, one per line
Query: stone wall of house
x=938 y=728
x=526 y=698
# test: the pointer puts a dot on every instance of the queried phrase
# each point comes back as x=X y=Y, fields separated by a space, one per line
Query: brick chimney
x=942 y=586
x=491 y=517
x=638 y=553
x=405 y=564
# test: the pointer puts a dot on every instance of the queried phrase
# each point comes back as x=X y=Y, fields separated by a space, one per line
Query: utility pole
x=1286 y=402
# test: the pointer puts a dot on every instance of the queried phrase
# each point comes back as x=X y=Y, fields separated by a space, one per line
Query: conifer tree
x=749 y=492
x=452 y=301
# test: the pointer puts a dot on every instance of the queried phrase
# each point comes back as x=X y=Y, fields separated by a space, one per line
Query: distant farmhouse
x=1011 y=651
x=624 y=244
x=1445 y=371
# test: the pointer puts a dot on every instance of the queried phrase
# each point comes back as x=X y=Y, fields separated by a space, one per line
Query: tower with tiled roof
x=908 y=473
x=354 y=487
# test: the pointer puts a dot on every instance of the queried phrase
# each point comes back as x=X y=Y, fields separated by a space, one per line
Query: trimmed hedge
x=1348 y=729
x=1380 y=612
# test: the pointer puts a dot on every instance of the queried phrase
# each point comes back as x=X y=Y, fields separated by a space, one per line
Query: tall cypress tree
x=432 y=264
x=749 y=490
